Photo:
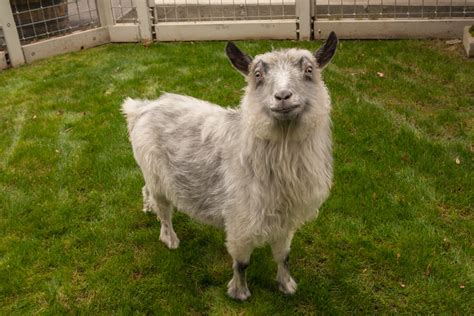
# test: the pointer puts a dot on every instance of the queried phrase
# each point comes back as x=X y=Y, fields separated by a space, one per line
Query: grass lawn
x=396 y=235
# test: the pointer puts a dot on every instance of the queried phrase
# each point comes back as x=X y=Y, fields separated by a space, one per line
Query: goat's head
x=283 y=85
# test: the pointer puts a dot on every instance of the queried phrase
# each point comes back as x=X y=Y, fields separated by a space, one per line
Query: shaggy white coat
x=256 y=174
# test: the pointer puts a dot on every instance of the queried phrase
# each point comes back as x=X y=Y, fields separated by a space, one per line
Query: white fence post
x=144 y=19
x=303 y=13
x=10 y=33
x=105 y=13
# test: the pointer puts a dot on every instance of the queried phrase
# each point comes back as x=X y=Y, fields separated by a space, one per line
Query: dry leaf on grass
x=454 y=42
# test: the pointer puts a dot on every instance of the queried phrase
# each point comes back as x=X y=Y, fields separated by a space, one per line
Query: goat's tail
x=132 y=109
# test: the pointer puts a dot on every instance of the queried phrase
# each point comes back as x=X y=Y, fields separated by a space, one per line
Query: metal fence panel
x=224 y=10
x=392 y=9
x=3 y=51
x=3 y=44
x=40 y=19
x=124 y=11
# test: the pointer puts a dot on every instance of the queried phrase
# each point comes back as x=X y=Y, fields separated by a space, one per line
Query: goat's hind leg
x=147 y=207
x=164 y=211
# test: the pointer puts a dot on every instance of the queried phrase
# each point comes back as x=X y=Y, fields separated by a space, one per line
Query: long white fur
x=240 y=169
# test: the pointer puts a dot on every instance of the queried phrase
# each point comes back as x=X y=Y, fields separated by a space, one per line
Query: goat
x=259 y=171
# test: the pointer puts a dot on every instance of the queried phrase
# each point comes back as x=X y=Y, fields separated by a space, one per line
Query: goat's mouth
x=284 y=112
x=285 y=109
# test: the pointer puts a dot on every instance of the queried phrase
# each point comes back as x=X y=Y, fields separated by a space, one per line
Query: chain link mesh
x=392 y=9
x=223 y=10
x=39 y=19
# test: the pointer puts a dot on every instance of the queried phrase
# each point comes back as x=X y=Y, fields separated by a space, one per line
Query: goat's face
x=283 y=84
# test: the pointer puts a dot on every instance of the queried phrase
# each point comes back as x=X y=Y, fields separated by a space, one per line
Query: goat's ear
x=240 y=60
x=325 y=53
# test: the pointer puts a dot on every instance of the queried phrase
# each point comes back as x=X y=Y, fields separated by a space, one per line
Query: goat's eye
x=309 y=70
x=258 y=75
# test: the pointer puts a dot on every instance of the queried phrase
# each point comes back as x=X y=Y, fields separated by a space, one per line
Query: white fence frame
x=226 y=30
x=10 y=33
x=302 y=27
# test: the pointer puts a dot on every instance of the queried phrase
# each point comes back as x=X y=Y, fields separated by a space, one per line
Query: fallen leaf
x=34 y=117
x=461 y=286
x=147 y=44
x=364 y=271
x=402 y=285
x=57 y=151
x=428 y=270
x=380 y=74
x=458 y=161
x=454 y=42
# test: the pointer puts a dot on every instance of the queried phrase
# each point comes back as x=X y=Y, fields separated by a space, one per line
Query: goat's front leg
x=240 y=252
x=281 y=251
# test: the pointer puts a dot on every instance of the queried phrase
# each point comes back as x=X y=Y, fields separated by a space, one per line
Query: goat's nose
x=283 y=95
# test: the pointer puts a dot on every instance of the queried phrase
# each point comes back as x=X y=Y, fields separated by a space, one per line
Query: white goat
x=259 y=172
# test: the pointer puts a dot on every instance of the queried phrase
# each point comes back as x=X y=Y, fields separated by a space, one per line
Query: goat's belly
x=200 y=194
x=205 y=216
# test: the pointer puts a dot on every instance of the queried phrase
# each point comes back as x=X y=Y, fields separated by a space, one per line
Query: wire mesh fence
x=39 y=19
x=392 y=9
x=3 y=44
x=124 y=11
x=223 y=10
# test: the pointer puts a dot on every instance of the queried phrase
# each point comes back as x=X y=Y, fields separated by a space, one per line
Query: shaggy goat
x=259 y=171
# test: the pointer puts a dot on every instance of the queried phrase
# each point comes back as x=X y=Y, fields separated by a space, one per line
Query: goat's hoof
x=238 y=293
x=147 y=210
x=288 y=287
x=169 y=239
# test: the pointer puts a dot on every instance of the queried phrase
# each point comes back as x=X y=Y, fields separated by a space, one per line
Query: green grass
x=396 y=235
